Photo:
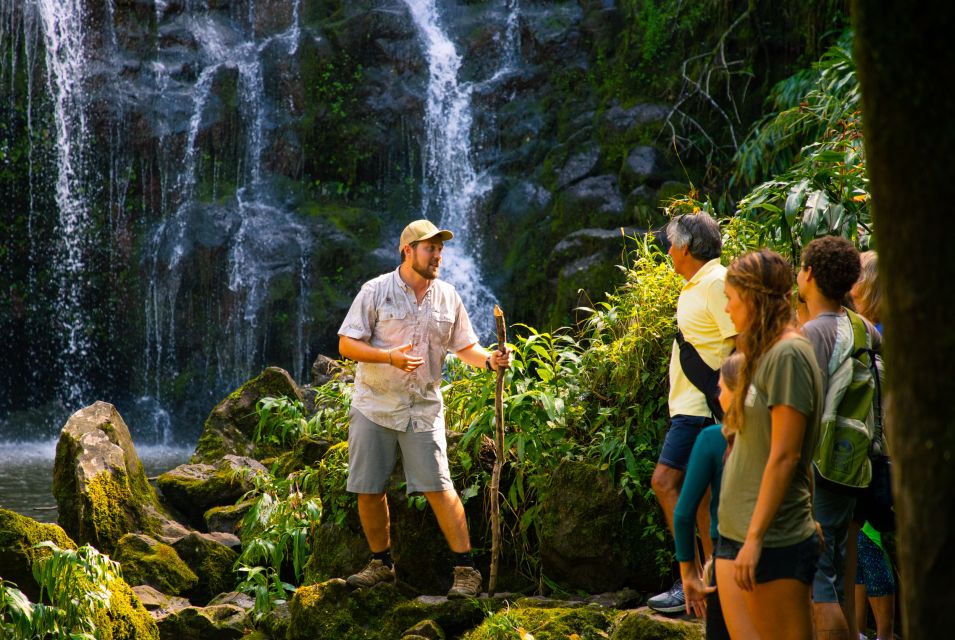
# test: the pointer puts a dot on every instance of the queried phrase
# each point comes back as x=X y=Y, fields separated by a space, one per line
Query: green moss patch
x=147 y=561
x=544 y=624
x=19 y=536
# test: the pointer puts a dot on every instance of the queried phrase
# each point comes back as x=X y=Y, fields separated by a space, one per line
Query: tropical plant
x=810 y=158
x=16 y=612
x=283 y=420
x=276 y=529
x=75 y=586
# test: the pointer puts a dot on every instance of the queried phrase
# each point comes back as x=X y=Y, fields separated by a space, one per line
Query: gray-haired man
x=400 y=328
x=695 y=248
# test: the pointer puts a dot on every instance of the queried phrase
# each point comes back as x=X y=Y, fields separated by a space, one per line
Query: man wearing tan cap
x=400 y=328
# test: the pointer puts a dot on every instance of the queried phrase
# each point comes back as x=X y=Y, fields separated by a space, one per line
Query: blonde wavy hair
x=867 y=291
x=764 y=280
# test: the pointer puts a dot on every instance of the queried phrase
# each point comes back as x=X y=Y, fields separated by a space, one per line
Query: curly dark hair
x=835 y=265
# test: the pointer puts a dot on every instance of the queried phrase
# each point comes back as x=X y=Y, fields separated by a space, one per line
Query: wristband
x=487 y=364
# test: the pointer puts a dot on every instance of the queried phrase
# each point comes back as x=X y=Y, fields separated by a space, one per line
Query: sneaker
x=467 y=583
x=375 y=572
x=673 y=601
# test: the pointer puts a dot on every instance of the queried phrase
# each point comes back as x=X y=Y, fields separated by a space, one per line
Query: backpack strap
x=863 y=351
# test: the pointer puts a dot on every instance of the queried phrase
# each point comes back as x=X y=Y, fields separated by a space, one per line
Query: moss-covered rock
x=231 y=424
x=150 y=562
x=126 y=618
x=99 y=483
x=333 y=610
x=157 y=603
x=336 y=551
x=194 y=488
x=19 y=536
x=226 y=519
x=217 y=622
x=211 y=561
x=589 y=536
x=643 y=624
x=544 y=624
x=424 y=630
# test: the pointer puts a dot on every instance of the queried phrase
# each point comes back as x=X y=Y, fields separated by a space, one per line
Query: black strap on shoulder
x=704 y=378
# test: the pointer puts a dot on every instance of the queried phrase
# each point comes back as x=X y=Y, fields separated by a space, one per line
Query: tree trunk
x=906 y=66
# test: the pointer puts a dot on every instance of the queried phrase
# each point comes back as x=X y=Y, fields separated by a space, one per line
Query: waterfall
x=451 y=184
x=66 y=62
x=265 y=238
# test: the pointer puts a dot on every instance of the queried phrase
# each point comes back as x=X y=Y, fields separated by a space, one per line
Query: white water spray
x=451 y=185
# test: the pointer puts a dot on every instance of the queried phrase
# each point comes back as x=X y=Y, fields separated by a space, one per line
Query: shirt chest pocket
x=392 y=323
x=442 y=322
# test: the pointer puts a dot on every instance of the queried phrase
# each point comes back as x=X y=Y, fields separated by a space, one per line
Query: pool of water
x=26 y=473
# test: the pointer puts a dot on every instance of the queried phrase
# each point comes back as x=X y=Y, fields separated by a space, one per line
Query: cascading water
x=66 y=62
x=265 y=239
x=452 y=185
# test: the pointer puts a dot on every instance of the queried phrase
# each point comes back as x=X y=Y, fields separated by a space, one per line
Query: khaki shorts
x=371 y=457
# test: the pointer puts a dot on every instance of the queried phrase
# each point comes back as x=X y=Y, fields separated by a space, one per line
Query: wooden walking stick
x=499 y=455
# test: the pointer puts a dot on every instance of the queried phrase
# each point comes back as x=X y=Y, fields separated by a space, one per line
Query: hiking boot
x=376 y=571
x=672 y=601
x=467 y=583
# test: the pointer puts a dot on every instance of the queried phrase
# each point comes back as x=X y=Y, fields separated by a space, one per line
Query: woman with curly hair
x=766 y=556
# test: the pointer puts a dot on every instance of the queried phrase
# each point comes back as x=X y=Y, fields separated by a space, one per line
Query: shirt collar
x=702 y=272
x=404 y=286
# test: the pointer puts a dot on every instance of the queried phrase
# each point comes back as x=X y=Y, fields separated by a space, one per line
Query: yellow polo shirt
x=701 y=316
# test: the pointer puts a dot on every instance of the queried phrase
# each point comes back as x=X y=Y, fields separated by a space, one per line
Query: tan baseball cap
x=422 y=230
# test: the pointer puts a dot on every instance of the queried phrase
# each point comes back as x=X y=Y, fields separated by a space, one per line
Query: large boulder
x=126 y=618
x=147 y=561
x=586 y=543
x=19 y=536
x=212 y=561
x=101 y=489
x=643 y=165
x=548 y=622
x=193 y=489
x=157 y=603
x=333 y=610
x=644 y=624
x=230 y=427
x=216 y=622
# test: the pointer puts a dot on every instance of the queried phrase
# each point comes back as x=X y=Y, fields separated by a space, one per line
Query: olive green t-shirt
x=787 y=375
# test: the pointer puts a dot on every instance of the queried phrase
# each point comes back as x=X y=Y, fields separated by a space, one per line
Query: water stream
x=451 y=184
x=64 y=31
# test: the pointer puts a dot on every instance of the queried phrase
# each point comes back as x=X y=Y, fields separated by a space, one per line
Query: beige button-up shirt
x=385 y=314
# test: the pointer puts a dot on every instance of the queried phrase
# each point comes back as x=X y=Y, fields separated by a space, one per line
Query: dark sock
x=463 y=559
x=385 y=557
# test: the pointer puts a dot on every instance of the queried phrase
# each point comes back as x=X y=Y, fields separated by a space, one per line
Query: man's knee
x=666 y=481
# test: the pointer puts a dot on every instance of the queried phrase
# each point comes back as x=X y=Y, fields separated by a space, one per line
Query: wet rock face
x=584 y=542
x=99 y=483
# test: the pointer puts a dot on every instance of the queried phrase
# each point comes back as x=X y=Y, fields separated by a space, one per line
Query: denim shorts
x=678 y=442
x=372 y=452
x=795 y=562
x=833 y=511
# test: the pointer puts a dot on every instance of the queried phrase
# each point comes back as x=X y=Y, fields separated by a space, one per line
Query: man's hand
x=399 y=358
x=500 y=359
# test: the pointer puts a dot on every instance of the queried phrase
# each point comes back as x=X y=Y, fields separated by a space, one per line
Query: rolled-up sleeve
x=360 y=321
x=462 y=333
